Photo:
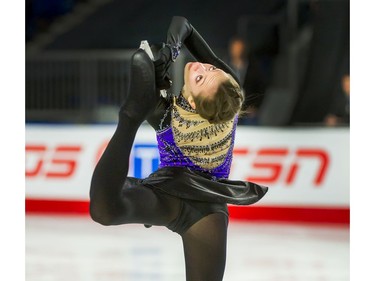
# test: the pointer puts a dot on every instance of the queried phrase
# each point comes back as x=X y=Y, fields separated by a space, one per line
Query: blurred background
x=292 y=57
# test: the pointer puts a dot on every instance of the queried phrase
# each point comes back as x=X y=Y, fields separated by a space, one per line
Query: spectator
x=238 y=57
x=248 y=69
x=339 y=113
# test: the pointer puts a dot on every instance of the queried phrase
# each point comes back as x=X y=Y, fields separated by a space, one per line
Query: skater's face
x=202 y=79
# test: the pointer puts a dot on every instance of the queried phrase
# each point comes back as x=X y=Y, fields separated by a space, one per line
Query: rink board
x=306 y=169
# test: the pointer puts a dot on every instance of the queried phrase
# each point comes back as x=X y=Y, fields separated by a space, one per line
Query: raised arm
x=181 y=32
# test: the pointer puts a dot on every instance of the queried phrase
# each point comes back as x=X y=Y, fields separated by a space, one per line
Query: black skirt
x=185 y=183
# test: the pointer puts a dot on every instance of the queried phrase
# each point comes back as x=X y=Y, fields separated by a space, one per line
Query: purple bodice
x=172 y=156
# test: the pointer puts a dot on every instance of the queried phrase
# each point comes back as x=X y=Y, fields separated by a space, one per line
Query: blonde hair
x=224 y=105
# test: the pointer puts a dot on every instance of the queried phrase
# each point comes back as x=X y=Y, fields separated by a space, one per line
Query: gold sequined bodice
x=207 y=145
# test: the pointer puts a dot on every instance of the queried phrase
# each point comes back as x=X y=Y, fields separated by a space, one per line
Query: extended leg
x=205 y=248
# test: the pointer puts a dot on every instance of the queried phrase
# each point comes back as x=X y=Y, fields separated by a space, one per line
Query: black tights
x=113 y=201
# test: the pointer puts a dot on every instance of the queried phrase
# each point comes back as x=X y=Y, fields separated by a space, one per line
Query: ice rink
x=66 y=248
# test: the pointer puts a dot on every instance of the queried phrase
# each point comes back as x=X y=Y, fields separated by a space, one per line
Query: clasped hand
x=162 y=64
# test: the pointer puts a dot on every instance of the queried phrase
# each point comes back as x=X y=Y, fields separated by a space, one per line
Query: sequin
x=191 y=141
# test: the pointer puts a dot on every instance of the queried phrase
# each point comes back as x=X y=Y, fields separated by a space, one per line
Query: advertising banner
x=303 y=167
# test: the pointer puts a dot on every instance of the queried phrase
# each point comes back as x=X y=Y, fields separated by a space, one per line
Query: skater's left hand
x=162 y=64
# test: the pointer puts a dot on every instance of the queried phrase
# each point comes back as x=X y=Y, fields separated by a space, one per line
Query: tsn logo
x=273 y=165
x=264 y=165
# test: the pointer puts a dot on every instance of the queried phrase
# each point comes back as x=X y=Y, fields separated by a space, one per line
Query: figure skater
x=195 y=131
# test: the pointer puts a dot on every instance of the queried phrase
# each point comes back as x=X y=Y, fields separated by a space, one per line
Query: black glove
x=182 y=32
x=162 y=64
x=179 y=29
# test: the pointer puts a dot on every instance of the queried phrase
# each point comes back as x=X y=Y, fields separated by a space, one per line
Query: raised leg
x=110 y=202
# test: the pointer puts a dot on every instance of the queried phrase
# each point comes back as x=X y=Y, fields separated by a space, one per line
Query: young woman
x=195 y=131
